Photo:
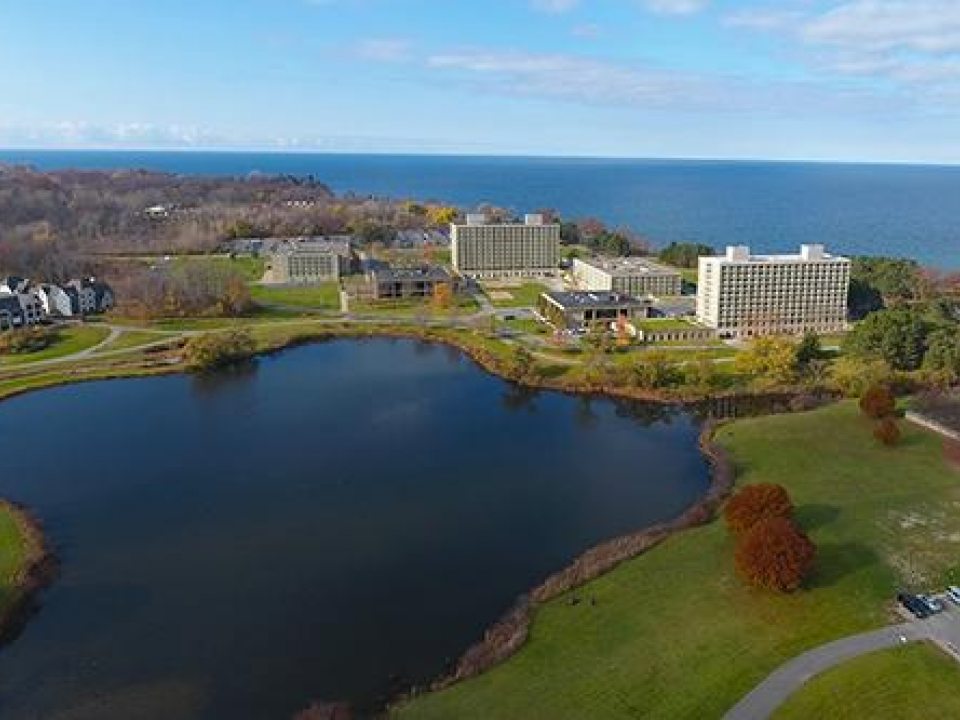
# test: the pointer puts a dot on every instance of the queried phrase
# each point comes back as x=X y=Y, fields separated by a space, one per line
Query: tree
x=523 y=363
x=809 y=349
x=685 y=255
x=702 y=374
x=771 y=359
x=897 y=336
x=895 y=279
x=755 y=503
x=878 y=402
x=653 y=370
x=442 y=295
x=887 y=431
x=775 y=554
x=215 y=350
x=943 y=354
x=853 y=375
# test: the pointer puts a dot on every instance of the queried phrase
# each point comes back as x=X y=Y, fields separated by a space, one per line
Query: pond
x=334 y=522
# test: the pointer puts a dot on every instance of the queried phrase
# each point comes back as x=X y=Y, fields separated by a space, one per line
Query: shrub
x=887 y=431
x=27 y=340
x=755 y=503
x=214 y=350
x=878 y=402
x=775 y=554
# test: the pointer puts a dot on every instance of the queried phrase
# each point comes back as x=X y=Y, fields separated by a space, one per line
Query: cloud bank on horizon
x=872 y=80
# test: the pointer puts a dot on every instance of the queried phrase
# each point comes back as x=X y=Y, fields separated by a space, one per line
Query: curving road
x=763 y=700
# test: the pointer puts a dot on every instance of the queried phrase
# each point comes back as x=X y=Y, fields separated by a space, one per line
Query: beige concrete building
x=635 y=276
x=744 y=295
x=496 y=250
x=583 y=309
x=309 y=260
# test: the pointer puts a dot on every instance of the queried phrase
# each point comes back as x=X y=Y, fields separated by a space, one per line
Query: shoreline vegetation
x=29 y=567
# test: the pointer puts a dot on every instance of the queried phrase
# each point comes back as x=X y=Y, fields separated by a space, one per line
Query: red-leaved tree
x=775 y=554
x=755 y=503
x=878 y=402
x=887 y=432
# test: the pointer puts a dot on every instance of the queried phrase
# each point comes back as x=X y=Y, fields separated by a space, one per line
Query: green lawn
x=250 y=268
x=70 y=340
x=523 y=295
x=130 y=339
x=913 y=682
x=675 y=634
x=323 y=296
x=17 y=549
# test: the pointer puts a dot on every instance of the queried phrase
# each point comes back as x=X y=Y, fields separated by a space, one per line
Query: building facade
x=629 y=275
x=743 y=295
x=496 y=250
x=20 y=310
x=312 y=260
x=393 y=283
x=573 y=310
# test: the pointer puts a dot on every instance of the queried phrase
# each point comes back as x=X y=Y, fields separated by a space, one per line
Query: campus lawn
x=70 y=340
x=130 y=339
x=323 y=296
x=522 y=295
x=675 y=634
x=913 y=682
x=250 y=268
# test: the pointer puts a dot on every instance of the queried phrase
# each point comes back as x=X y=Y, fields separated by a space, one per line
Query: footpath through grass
x=70 y=340
x=675 y=634
x=913 y=682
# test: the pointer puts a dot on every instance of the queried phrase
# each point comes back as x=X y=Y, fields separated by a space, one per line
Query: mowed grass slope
x=675 y=634
x=14 y=554
x=70 y=340
x=912 y=682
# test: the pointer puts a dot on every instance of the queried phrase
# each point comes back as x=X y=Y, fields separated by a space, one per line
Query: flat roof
x=627 y=266
x=574 y=300
x=423 y=272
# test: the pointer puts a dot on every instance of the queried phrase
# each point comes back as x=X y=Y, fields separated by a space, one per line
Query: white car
x=953 y=592
x=931 y=602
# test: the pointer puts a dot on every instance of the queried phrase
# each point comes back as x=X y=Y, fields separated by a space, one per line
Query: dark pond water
x=333 y=522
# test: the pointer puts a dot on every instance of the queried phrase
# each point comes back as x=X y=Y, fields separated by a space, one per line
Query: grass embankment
x=22 y=559
x=323 y=296
x=675 y=634
x=131 y=339
x=913 y=682
x=69 y=340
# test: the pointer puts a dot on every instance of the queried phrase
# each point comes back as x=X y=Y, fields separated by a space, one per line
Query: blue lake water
x=898 y=210
x=336 y=522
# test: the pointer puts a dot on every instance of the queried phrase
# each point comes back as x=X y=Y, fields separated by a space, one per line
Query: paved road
x=763 y=700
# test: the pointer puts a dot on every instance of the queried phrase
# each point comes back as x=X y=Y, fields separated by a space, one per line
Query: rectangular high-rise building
x=744 y=295
x=495 y=250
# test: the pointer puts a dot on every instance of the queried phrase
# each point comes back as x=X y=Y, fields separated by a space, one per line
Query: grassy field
x=72 y=339
x=675 y=634
x=324 y=296
x=913 y=682
x=250 y=268
x=523 y=295
x=14 y=552
x=130 y=339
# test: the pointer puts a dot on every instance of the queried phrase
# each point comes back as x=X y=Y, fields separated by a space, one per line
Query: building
x=89 y=295
x=310 y=260
x=20 y=310
x=13 y=285
x=582 y=309
x=744 y=295
x=496 y=250
x=388 y=282
x=59 y=301
x=629 y=275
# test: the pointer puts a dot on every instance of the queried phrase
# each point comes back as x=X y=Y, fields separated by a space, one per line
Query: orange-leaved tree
x=775 y=554
x=754 y=503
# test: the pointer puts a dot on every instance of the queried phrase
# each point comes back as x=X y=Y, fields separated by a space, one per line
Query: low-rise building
x=480 y=249
x=388 y=282
x=310 y=260
x=635 y=276
x=20 y=310
x=89 y=296
x=740 y=294
x=56 y=300
x=581 y=309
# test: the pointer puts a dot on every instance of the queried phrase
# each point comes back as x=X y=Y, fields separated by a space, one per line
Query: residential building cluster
x=483 y=250
x=24 y=302
x=742 y=295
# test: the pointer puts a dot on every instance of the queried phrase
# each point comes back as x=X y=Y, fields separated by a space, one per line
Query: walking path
x=763 y=700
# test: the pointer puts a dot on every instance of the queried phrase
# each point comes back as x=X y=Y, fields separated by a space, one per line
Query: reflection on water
x=337 y=521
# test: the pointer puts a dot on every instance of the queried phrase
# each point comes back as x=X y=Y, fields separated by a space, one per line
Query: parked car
x=953 y=592
x=914 y=605
x=935 y=604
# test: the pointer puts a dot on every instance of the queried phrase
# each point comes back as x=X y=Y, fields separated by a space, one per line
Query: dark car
x=917 y=607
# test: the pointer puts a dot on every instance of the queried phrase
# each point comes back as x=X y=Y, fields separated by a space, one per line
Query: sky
x=831 y=80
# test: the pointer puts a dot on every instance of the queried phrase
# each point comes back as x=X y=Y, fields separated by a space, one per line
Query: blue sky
x=863 y=80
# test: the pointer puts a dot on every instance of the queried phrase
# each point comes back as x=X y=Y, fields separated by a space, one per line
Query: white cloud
x=554 y=7
x=763 y=18
x=383 y=49
x=676 y=7
x=923 y=26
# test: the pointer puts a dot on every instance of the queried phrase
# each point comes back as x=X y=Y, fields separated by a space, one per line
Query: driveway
x=763 y=700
